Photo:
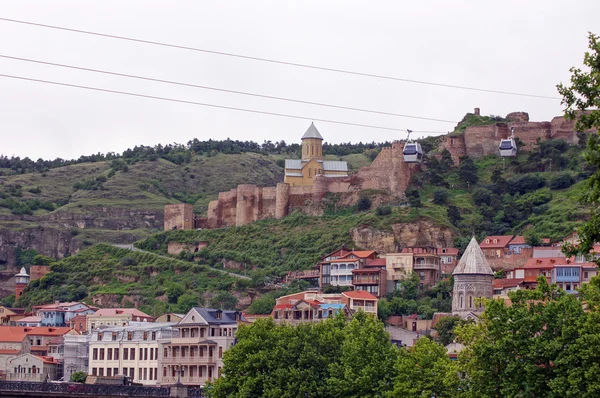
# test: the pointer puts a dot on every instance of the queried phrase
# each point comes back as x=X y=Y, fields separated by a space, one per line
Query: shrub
x=78 y=377
x=482 y=196
x=280 y=163
x=364 y=204
x=525 y=183
x=414 y=197
x=561 y=181
x=384 y=210
x=440 y=196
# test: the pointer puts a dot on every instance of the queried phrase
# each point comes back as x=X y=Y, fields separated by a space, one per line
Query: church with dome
x=473 y=278
x=302 y=172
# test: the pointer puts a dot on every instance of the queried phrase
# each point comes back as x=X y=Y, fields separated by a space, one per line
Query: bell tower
x=312 y=144
x=21 y=282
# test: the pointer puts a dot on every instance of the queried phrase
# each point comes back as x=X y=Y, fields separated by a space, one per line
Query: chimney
x=57 y=302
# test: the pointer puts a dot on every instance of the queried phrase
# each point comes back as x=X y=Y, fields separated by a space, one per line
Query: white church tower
x=473 y=278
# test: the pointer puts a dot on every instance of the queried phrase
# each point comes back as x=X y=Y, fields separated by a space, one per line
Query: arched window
x=461 y=302
x=470 y=301
x=312 y=150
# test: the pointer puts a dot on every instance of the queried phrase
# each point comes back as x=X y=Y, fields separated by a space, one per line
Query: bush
x=384 y=210
x=482 y=196
x=363 y=204
x=440 y=196
x=280 y=163
x=414 y=197
x=561 y=181
x=78 y=377
x=525 y=183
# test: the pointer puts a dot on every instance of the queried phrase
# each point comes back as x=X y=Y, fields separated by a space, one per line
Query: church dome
x=473 y=261
x=312 y=132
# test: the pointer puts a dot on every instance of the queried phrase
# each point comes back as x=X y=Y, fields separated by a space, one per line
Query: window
x=125 y=354
x=164 y=371
x=101 y=372
x=116 y=354
x=109 y=372
x=151 y=354
x=102 y=354
x=109 y=354
x=129 y=335
x=165 y=353
x=139 y=373
x=132 y=354
x=114 y=336
x=219 y=315
x=220 y=352
x=95 y=354
x=145 y=373
x=145 y=354
x=124 y=371
x=94 y=372
x=153 y=335
x=585 y=274
x=115 y=371
x=141 y=354
x=99 y=337
x=131 y=373
x=145 y=335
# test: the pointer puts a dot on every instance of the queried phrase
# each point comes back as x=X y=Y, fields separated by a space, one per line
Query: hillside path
x=135 y=249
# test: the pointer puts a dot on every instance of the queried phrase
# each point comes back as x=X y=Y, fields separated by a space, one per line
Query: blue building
x=517 y=244
x=59 y=314
x=567 y=276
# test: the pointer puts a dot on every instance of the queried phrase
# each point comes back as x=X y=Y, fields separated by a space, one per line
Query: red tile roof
x=359 y=294
x=361 y=253
x=518 y=240
x=12 y=334
x=47 y=331
x=5 y=351
x=550 y=262
x=376 y=262
x=503 y=283
x=501 y=241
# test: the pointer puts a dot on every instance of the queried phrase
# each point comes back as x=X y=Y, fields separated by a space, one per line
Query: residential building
x=169 y=317
x=5 y=314
x=473 y=278
x=303 y=172
x=371 y=278
x=196 y=352
x=29 y=321
x=424 y=261
x=448 y=258
x=360 y=300
x=517 y=244
x=79 y=323
x=534 y=268
x=572 y=238
x=353 y=300
x=59 y=314
x=75 y=354
x=128 y=350
x=307 y=311
x=13 y=342
x=337 y=270
x=495 y=246
x=116 y=317
x=29 y=367
x=503 y=286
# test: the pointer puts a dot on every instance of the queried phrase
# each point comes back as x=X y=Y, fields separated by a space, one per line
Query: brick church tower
x=21 y=282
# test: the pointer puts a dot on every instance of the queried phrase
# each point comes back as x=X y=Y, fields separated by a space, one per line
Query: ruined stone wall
x=38 y=271
x=455 y=144
x=529 y=132
x=282 y=201
x=179 y=216
x=564 y=129
x=177 y=247
x=388 y=171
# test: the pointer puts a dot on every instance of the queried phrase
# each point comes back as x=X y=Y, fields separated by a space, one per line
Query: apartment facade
x=59 y=314
x=495 y=247
x=131 y=351
x=116 y=317
x=336 y=268
x=194 y=354
x=371 y=278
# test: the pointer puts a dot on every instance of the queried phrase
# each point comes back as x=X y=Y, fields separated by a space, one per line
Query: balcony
x=368 y=309
x=427 y=265
x=365 y=281
x=189 y=380
x=190 y=340
x=342 y=271
x=187 y=360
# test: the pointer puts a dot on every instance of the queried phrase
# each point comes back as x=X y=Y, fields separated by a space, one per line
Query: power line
x=279 y=62
x=225 y=90
x=216 y=106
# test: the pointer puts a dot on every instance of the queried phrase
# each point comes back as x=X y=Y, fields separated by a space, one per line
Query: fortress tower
x=303 y=172
x=21 y=282
x=473 y=278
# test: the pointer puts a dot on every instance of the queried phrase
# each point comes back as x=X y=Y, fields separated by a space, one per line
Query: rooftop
x=496 y=241
x=359 y=294
x=473 y=261
x=138 y=326
x=121 y=311
x=503 y=283
x=518 y=240
x=210 y=315
x=312 y=132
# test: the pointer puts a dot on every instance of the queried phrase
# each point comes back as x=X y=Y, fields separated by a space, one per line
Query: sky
x=515 y=46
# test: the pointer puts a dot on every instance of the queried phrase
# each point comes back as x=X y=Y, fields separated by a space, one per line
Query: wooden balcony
x=187 y=360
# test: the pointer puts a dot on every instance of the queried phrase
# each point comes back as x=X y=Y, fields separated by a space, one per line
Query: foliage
x=561 y=181
x=425 y=371
x=8 y=301
x=78 y=377
x=467 y=170
x=384 y=211
x=330 y=358
x=445 y=328
x=582 y=98
x=25 y=257
x=414 y=198
x=262 y=305
x=440 y=196
x=363 y=204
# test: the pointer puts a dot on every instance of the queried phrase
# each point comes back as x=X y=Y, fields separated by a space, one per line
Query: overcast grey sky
x=521 y=46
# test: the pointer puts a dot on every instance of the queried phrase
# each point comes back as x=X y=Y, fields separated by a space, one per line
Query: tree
x=527 y=349
x=446 y=162
x=445 y=328
x=467 y=170
x=414 y=197
x=582 y=100
x=262 y=305
x=424 y=371
x=453 y=214
x=533 y=240
x=440 y=196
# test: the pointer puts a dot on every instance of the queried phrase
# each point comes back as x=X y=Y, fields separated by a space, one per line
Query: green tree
x=262 y=305
x=424 y=371
x=582 y=100
x=453 y=214
x=363 y=204
x=78 y=377
x=445 y=328
x=440 y=196
x=446 y=162
x=414 y=197
x=467 y=171
x=224 y=300
x=367 y=359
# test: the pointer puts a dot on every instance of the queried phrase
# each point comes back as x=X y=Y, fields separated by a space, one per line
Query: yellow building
x=302 y=172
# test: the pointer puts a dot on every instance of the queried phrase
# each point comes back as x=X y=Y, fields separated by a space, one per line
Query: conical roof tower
x=473 y=261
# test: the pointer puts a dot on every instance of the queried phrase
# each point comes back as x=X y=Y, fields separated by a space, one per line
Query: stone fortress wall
x=388 y=172
x=479 y=141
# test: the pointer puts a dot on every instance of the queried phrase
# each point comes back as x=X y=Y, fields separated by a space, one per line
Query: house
x=29 y=367
x=360 y=300
x=448 y=258
x=425 y=261
x=371 y=278
x=13 y=342
x=503 y=286
x=79 y=323
x=59 y=314
x=303 y=172
x=533 y=268
x=30 y=321
x=169 y=317
x=196 y=351
x=572 y=238
x=128 y=350
x=47 y=340
x=495 y=246
x=5 y=314
x=116 y=317
x=337 y=271
x=307 y=311
x=517 y=244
